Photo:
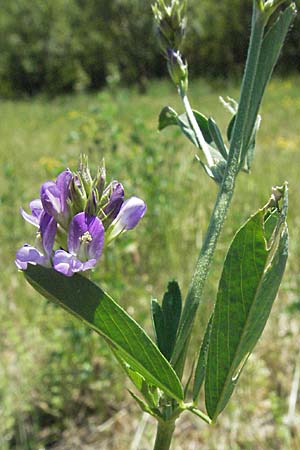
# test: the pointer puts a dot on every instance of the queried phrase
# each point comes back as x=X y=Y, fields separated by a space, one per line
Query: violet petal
x=50 y=197
x=63 y=182
x=131 y=213
x=115 y=201
x=66 y=263
x=36 y=212
x=86 y=236
x=30 y=255
x=48 y=228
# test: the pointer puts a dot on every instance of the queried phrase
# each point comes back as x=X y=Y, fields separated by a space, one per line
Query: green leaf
x=166 y=319
x=202 y=361
x=99 y=311
x=144 y=407
x=150 y=395
x=169 y=116
x=158 y=324
x=230 y=128
x=251 y=276
x=269 y=54
x=217 y=137
x=249 y=151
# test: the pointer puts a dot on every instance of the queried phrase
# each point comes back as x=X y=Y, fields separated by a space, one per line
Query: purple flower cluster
x=75 y=216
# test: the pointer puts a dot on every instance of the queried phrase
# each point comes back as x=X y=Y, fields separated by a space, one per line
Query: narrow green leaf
x=251 y=276
x=230 y=128
x=269 y=54
x=88 y=302
x=166 y=319
x=171 y=307
x=249 y=150
x=158 y=324
x=217 y=137
x=201 y=363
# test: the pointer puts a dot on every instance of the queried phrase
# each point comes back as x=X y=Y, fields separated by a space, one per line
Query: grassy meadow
x=59 y=386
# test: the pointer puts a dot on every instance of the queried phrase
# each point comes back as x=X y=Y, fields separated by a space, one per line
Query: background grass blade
x=88 y=302
x=249 y=283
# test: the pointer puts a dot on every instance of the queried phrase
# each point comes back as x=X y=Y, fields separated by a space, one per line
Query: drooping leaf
x=169 y=116
x=89 y=303
x=166 y=318
x=251 y=276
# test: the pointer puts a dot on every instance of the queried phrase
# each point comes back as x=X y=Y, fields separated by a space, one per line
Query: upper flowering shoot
x=76 y=217
x=171 y=23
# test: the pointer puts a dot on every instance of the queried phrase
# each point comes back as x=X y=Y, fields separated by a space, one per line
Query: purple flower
x=85 y=244
x=54 y=195
x=45 y=241
x=36 y=212
x=129 y=216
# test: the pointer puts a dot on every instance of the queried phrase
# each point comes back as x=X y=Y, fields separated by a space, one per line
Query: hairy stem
x=225 y=193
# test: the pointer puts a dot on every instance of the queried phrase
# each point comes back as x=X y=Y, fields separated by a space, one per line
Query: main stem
x=224 y=197
x=164 y=435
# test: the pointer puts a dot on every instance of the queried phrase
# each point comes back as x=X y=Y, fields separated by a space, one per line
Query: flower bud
x=77 y=195
x=112 y=200
x=91 y=205
x=85 y=174
x=99 y=181
x=178 y=69
x=171 y=23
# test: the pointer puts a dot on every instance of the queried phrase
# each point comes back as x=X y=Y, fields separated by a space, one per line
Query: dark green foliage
x=166 y=319
x=244 y=301
x=86 y=301
x=60 y=45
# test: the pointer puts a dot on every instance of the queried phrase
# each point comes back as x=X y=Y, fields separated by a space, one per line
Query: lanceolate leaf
x=88 y=302
x=217 y=137
x=269 y=54
x=166 y=319
x=249 y=283
x=201 y=363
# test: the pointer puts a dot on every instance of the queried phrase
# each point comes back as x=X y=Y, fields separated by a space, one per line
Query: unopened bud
x=171 y=23
x=178 y=69
x=77 y=195
x=85 y=174
x=91 y=205
x=99 y=181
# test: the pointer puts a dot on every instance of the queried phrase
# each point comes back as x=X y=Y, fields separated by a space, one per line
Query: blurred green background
x=59 y=386
x=64 y=45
